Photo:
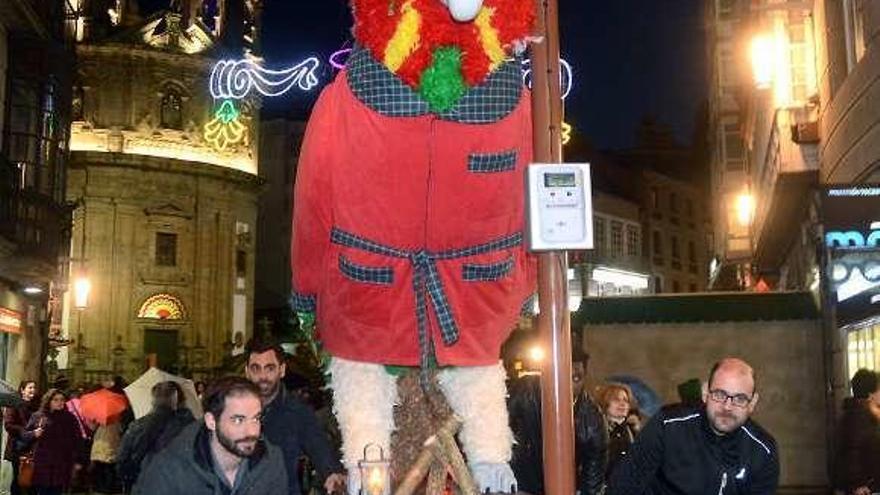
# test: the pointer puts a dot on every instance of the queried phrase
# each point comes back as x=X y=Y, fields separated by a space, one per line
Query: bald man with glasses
x=713 y=449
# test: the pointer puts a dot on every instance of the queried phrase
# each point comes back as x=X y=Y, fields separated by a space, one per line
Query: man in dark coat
x=857 y=463
x=146 y=436
x=287 y=422
x=707 y=450
x=224 y=455
x=591 y=437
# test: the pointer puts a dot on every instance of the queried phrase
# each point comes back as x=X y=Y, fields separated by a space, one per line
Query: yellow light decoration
x=225 y=131
x=162 y=307
x=566 y=133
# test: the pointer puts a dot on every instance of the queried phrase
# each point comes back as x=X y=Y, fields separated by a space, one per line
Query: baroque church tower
x=165 y=182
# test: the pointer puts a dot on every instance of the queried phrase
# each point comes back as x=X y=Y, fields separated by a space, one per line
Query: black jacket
x=294 y=428
x=524 y=404
x=145 y=437
x=186 y=467
x=857 y=462
x=681 y=454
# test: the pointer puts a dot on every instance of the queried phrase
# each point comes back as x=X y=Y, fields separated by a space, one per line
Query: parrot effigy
x=408 y=219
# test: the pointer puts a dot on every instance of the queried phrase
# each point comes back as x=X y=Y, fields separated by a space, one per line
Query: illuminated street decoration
x=225 y=130
x=566 y=133
x=339 y=57
x=566 y=76
x=236 y=78
x=566 y=81
x=162 y=307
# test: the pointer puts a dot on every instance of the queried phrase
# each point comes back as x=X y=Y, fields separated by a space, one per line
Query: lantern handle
x=375 y=446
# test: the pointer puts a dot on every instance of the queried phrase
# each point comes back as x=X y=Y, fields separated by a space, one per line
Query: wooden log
x=460 y=472
x=436 y=479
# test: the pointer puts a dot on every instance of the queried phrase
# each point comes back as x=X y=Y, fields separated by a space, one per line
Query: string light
x=236 y=78
x=566 y=76
x=224 y=130
x=566 y=133
x=338 y=59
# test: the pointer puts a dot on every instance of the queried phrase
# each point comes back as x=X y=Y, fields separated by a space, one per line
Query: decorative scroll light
x=162 y=307
x=225 y=130
x=234 y=79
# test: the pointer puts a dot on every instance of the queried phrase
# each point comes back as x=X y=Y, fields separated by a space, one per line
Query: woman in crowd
x=19 y=441
x=622 y=420
x=57 y=444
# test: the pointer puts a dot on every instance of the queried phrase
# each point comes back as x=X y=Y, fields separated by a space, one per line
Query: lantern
x=375 y=475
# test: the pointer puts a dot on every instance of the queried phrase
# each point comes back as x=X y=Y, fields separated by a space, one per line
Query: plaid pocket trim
x=367 y=274
x=492 y=162
x=303 y=303
x=491 y=272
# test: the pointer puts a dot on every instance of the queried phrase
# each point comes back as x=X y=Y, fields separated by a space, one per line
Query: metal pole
x=553 y=322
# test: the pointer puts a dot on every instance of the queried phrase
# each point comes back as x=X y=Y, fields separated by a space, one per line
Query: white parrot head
x=463 y=10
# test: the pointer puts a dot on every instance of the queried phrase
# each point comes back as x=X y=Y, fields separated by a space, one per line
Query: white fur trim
x=364 y=395
x=478 y=394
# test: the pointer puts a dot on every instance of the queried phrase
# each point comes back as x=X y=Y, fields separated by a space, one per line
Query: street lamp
x=81 y=288
x=745 y=209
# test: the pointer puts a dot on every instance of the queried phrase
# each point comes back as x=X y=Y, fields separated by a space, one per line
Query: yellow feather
x=405 y=39
x=489 y=37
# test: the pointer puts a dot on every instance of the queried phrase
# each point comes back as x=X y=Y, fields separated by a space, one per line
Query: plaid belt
x=427 y=283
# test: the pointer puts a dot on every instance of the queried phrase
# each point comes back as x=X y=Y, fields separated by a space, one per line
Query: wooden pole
x=553 y=322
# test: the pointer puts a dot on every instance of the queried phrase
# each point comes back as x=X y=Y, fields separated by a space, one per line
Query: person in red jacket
x=408 y=216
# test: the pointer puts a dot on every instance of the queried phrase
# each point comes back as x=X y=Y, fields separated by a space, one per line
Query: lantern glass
x=375 y=473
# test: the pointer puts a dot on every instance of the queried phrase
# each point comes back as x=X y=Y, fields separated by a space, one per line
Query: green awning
x=692 y=308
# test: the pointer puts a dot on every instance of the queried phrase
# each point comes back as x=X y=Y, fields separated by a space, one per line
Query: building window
x=632 y=240
x=166 y=249
x=689 y=207
x=658 y=284
x=657 y=243
x=676 y=287
x=616 y=238
x=854 y=12
x=692 y=252
x=734 y=151
x=673 y=243
x=77 y=104
x=241 y=263
x=693 y=287
x=171 y=111
x=599 y=235
x=673 y=202
x=655 y=198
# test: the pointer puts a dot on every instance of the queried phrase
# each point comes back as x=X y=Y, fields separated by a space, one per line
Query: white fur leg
x=364 y=395
x=478 y=395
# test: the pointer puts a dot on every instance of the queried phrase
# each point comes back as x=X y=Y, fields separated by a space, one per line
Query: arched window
x=162 y=307
x=171 y=111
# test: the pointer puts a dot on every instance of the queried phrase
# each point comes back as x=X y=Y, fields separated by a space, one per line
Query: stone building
x=164 y=177
x=36 y=61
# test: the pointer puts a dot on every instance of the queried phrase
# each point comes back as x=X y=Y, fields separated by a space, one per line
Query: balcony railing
x=38 y=226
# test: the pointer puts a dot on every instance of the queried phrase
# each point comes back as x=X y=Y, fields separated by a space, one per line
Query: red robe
x=408 y=184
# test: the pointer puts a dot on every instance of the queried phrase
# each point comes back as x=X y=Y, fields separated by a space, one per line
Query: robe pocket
x=490 y=272
x=378 y=275
x=483 y=163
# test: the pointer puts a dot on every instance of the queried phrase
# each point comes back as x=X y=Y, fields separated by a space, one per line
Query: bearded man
x=223 y=454
x=716 y=448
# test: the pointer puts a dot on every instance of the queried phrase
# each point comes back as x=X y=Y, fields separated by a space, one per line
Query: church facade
x=165 y=183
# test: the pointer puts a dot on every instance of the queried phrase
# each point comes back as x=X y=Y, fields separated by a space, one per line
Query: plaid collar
x=378 y=88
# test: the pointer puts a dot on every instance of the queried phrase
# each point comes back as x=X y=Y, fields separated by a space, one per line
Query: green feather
x=442 y=84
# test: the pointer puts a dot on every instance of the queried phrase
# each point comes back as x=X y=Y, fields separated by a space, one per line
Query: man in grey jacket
x=222 y=455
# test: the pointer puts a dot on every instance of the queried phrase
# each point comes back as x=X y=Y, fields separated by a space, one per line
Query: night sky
x=631 y=59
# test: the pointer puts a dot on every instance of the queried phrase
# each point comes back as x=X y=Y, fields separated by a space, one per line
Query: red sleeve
x=311 y=205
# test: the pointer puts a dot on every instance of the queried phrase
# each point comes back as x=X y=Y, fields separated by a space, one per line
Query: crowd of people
x=252 y=430
x=254 y=435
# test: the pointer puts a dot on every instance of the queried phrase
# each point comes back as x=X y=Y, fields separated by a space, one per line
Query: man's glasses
x=738 y=400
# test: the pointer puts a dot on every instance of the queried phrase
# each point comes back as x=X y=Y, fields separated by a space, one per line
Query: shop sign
x=10 y=321
x=850 y=216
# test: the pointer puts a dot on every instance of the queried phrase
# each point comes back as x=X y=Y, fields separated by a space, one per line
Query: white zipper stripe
x=683 y=418
x=762 y=444
x=723 y=483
